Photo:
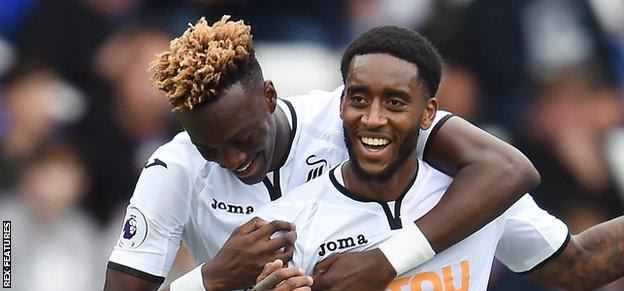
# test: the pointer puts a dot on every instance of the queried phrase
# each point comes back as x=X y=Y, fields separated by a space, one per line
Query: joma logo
x=340 y=244
x=318 y=164
x=231 y=208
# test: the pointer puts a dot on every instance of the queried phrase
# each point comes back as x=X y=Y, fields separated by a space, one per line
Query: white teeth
x=374 y=141
x=244 y=167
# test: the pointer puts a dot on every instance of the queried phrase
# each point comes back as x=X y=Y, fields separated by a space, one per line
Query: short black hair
x=402 y=43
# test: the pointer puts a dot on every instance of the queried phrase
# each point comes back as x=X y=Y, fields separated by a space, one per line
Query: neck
x=282 y=139
x=388 y=190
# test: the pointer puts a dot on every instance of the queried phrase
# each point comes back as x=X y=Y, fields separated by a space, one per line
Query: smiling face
x=237 y=131
x=383 y=108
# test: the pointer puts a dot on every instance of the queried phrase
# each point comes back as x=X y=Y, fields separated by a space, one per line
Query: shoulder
x=432 y=177
x=181 y=150
x=318 y=117
x=170 y=174
x=178 y=154
x=317 y=106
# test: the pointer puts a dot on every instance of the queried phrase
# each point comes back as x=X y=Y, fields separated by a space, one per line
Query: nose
x=232 y=159
x=374 y=117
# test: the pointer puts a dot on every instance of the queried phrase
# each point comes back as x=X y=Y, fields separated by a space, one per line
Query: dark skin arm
x=489 y=176
x=593 y=258
x=237 y=264
x=119 y=281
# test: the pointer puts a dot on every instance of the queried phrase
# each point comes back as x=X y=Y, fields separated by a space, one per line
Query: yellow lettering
x=446 y=283
x=431 y=277
x=447 y=273
x=396 y=284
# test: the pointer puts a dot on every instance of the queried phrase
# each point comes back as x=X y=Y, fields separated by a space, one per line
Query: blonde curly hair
x=202 y=62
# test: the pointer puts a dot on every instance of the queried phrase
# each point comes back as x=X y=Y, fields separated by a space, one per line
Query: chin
x=261 y=167
x=373 y=173
x=252 y=180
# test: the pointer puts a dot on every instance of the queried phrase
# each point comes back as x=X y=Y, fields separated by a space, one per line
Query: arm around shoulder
x=458 y=144
x=489 y=176
x=593 y=258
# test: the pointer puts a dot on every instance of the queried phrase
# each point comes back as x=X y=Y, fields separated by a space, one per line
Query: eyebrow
x=397 y=93
x=242 y=133
x=357 y=88
x=229 y=140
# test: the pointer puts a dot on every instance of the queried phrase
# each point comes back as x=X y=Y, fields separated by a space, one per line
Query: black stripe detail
x=393 y=221
x=276 y=185
x=274 y=188
x=554 y=255
x=293 y=131
x=272 y=191
x=433 y=132
x=136 y=273
x=343 y=190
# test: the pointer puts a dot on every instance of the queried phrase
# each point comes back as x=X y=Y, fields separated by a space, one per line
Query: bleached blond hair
x=203 y=62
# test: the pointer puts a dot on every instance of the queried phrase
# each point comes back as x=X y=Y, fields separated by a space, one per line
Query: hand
x=369 y=270
x=245 y=253
x=274 y=278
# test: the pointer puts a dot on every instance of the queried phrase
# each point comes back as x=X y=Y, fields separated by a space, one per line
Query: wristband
x=407 y=249
x=191 y=281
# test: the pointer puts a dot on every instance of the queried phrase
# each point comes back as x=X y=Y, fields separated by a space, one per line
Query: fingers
x=322 y=266
x=251 y=226
x=284 y=240
x=319 y=282
x=298 y=282
x=270 y=228
x=284 y=280
x=270 y=268
x=285 y=256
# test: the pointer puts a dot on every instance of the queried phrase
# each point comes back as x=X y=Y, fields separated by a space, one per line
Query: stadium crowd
x=79 y=117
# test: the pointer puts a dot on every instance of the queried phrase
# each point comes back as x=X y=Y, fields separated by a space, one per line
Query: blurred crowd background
x=78 y=116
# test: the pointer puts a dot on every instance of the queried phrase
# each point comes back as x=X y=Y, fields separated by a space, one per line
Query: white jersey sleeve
x=157 y=213
x=530 y=237
x=423 y=138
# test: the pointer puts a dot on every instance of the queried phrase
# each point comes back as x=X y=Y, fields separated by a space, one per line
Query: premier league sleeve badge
x=134 y=229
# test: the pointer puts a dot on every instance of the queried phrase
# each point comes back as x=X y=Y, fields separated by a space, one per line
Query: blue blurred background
x=78 y=116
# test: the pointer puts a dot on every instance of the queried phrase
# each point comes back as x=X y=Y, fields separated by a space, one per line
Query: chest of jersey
x=224 y=203
x=464 y=266
x=336 y=222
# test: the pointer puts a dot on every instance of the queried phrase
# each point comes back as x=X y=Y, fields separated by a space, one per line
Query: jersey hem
x=563 y=246
x=136 y=273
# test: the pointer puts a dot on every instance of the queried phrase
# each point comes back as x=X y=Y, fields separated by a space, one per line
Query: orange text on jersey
x=444 y=283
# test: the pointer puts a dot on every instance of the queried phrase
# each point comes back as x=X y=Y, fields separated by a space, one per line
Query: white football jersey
x=182 y=197
x=331 y=219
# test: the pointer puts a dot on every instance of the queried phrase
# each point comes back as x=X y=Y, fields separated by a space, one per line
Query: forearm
x=490 y=175
x=593 y=258
x=207 y=276
x=479 y=193
x=118 y=281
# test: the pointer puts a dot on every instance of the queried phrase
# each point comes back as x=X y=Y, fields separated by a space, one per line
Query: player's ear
x=431 y=107
x=270 y=96
x=342 y=96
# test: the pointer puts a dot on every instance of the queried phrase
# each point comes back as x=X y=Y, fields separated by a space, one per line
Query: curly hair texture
x=203 y=62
